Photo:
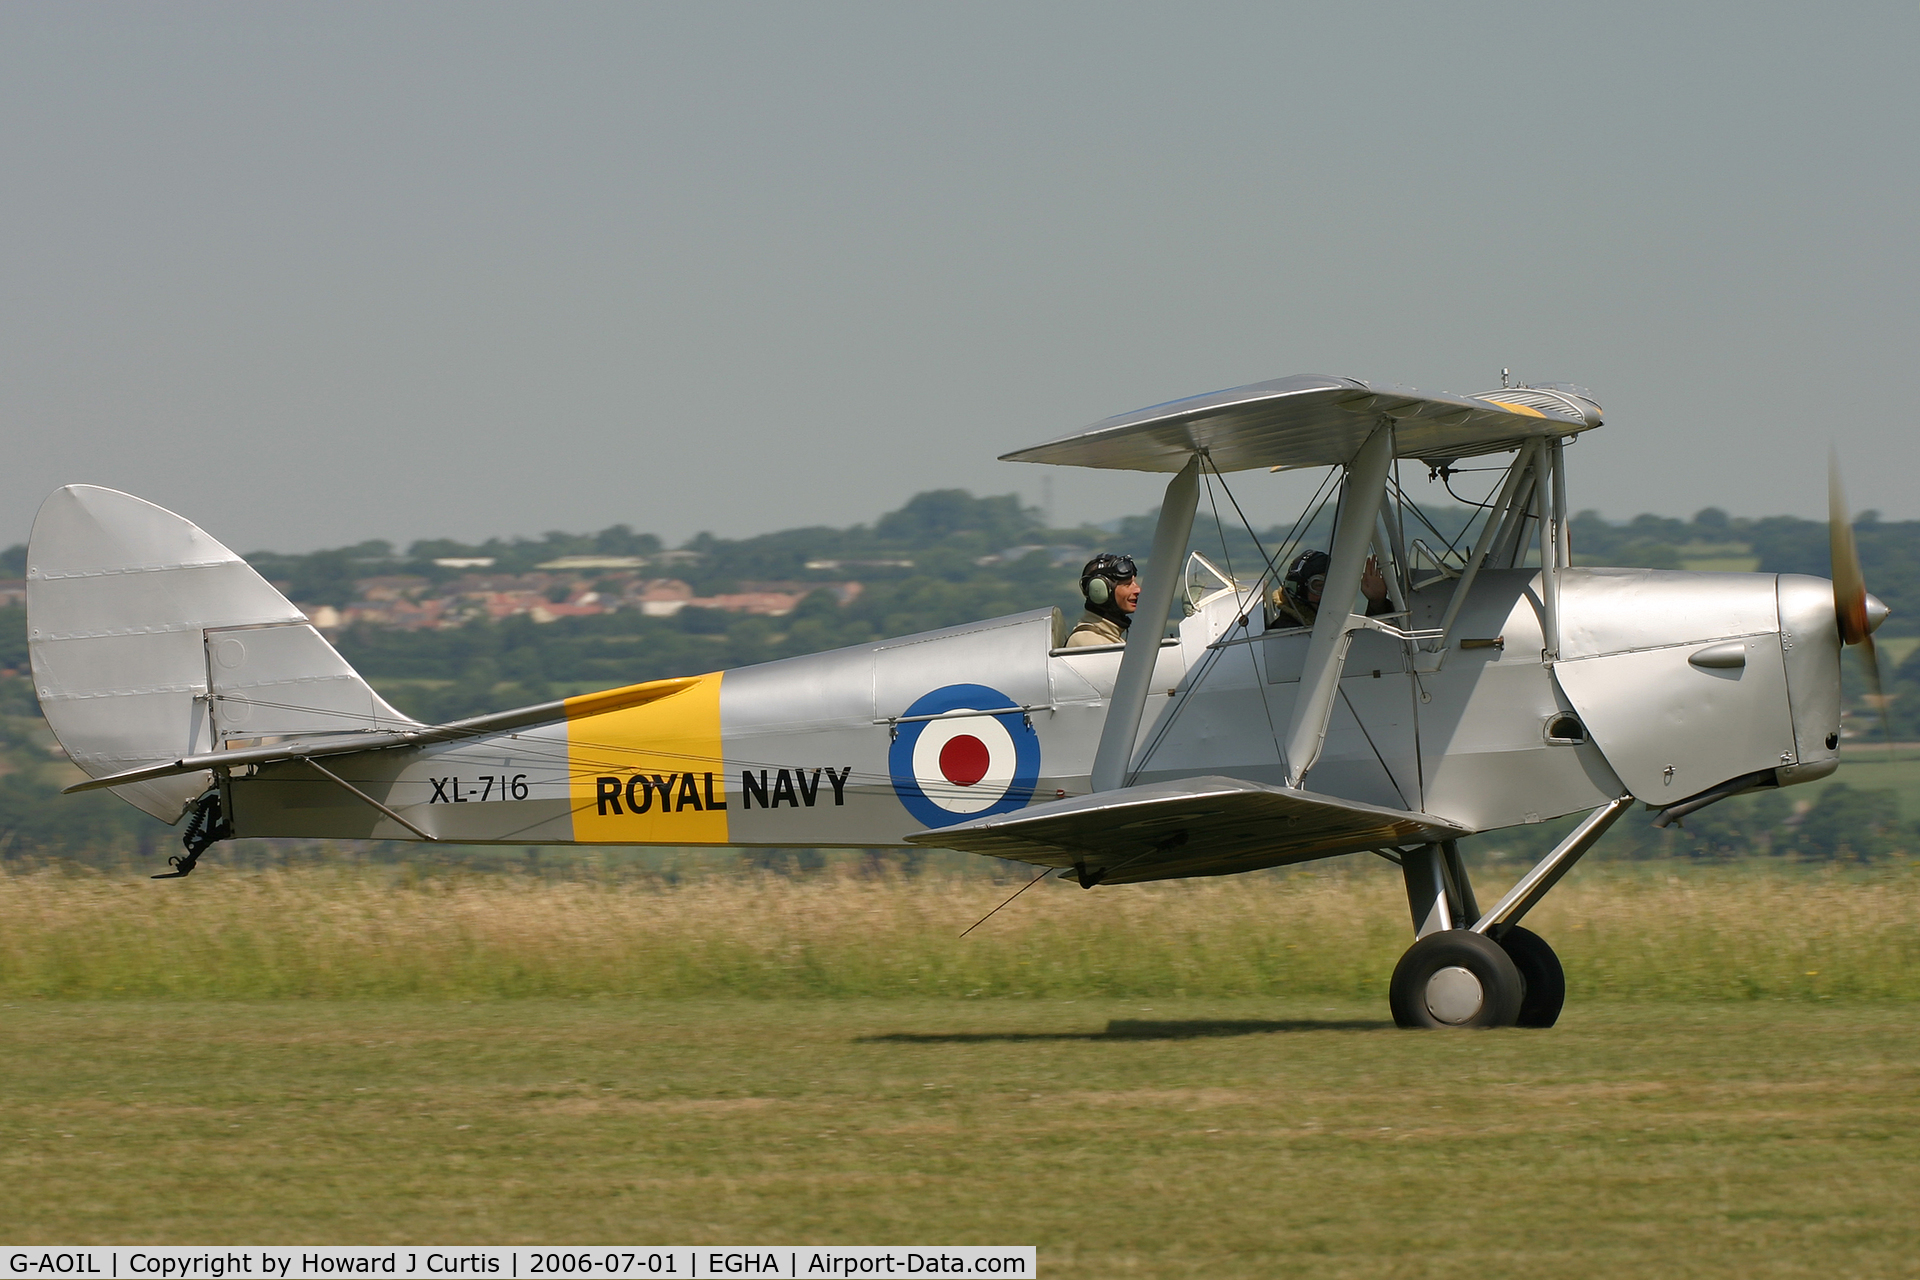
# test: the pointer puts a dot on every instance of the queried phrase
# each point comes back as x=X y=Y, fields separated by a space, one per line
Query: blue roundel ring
x=953 y=697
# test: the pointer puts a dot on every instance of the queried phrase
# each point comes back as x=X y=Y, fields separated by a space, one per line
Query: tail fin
x=151 y=641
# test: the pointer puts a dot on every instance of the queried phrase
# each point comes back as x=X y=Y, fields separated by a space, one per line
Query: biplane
x=1504 y=686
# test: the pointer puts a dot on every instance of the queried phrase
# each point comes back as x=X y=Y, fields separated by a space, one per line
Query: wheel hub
x=1454 y=995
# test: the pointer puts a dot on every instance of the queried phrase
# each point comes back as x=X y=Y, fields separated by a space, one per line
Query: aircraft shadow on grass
x=1130 y=1029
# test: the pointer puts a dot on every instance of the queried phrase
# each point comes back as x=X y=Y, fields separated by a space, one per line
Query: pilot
x=1111 y=588
x=1297 y=601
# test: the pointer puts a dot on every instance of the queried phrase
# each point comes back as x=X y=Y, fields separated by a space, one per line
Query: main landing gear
x=1469 y=969
x=1456 y=978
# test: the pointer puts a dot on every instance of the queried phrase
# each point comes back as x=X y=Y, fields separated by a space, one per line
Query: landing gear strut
x=1451 y=976
x=1469 y=969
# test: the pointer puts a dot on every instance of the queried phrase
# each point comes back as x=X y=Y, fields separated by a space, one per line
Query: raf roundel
x=968 y=766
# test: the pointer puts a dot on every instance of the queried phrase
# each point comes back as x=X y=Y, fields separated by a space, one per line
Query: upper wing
x=1312 y=420
x=1191 y=827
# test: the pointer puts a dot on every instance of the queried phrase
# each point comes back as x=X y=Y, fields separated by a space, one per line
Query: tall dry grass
x=330 y=933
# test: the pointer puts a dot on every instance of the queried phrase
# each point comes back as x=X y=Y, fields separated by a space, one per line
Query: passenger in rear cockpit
x=1296 y=602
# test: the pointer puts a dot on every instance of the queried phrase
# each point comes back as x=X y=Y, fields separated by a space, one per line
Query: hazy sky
x=311 y=274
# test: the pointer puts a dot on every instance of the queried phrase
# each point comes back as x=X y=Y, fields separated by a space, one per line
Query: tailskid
x=207 y=823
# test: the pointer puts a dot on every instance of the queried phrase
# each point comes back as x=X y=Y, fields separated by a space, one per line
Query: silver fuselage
x=1486 y=733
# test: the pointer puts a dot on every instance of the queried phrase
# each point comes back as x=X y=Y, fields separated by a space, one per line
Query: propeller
x=1858 y=612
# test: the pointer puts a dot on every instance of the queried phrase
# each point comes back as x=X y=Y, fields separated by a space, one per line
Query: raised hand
x=1373 y=583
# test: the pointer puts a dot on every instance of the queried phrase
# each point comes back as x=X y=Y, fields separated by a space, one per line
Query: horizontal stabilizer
x=1189 y=827
x=344 y=744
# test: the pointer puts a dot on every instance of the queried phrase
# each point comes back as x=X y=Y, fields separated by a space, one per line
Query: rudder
x=151 y=641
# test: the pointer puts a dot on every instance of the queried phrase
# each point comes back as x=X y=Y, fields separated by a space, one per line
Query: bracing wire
x=1244 y=607
x=1315 y=504
x=1384 y=767
x=1311 y=512
x=1446 y=481
x=1208 y=473
x=1044 y=872
x=1408 y=504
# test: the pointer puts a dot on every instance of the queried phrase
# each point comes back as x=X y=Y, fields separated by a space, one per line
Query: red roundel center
x=963 y=760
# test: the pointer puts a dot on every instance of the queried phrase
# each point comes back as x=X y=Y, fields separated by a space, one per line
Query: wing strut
x=1482 y=548
x=1149 y=621
x=1333 y=629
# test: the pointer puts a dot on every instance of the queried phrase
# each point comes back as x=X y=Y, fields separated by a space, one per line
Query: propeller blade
x=1849 y=584
x=1871 y=661
x=1850 y=598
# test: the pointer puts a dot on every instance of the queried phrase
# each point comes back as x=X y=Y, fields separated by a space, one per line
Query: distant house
x=505 y=604
x=552 y=612
x=771 y=604
x=860 y=564
x=12 y=591
x=580 y=564
x=398 y=586
x=662 y=597
x=844 y=593
x=478 y=586
x=401 y=614
x=410 y=602
x=465 y=562
x=1055 y=555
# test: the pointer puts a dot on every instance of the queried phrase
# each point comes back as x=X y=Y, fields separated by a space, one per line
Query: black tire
x=1456 y=978
x=1540 y=970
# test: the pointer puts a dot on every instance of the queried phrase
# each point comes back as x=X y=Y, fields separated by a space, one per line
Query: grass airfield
x=1189 y=1079
x=1126 y=1137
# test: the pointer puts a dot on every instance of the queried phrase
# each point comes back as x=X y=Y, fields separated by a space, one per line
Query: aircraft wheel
x=1456 y=978
x=1546 y=981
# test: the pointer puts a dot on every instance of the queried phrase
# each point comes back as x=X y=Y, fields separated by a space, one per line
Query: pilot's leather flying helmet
x=1102 y=574
x=1307 y=574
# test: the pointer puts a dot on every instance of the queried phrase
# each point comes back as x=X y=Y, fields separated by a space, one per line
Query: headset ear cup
x=1099 y=591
